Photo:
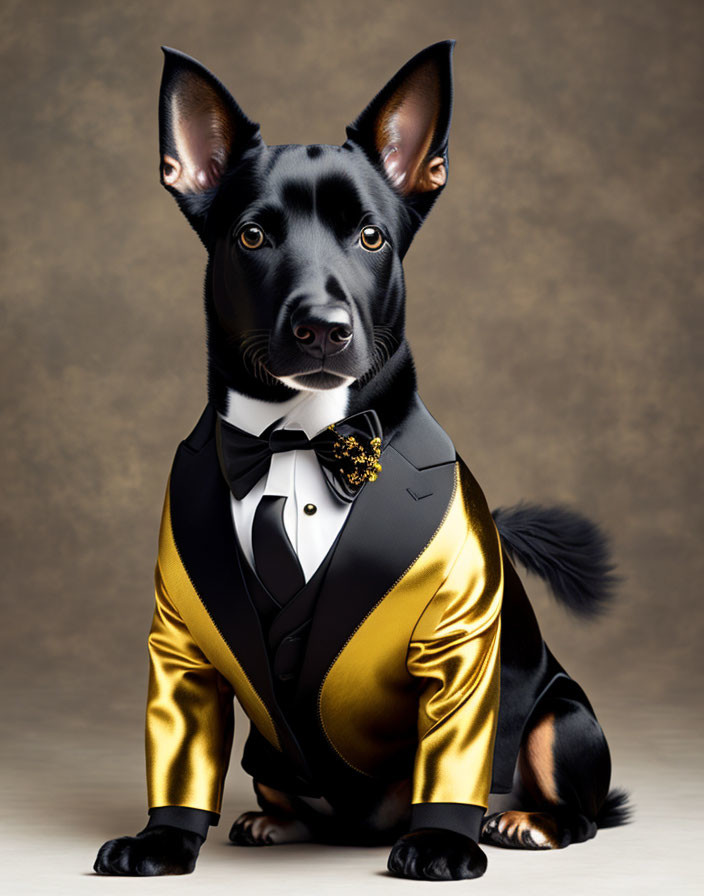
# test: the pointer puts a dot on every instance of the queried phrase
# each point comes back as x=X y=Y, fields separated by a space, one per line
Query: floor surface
x=70 y=786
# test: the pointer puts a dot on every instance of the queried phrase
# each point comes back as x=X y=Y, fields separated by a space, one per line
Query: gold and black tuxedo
x=411 y=653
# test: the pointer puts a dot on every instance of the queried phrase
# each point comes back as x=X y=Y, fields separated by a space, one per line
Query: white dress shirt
x=296 y=475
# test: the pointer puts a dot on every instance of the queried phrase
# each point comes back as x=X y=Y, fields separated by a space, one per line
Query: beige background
x=555 y=312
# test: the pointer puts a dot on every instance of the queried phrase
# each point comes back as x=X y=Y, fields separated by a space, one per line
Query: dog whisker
x=247 y=356
x=384 y=344
x=258 y=366
x=254 y=346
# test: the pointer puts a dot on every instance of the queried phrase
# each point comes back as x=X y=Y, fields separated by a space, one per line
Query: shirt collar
x=309 y=411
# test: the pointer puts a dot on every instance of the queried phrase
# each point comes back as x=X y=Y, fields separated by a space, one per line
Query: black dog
x=343 y=577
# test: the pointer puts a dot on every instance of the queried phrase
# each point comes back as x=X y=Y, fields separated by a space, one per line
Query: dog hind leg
x=277 y=823
x=260 y=829
x=564 y=767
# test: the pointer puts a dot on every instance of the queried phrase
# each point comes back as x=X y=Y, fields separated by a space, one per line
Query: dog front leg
x=454 y=654
x=189 y=736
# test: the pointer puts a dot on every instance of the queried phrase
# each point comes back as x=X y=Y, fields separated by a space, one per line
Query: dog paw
x=260 y=829
x=161 y=849
x=436 y=854
x=521 y=830
x=537 y=830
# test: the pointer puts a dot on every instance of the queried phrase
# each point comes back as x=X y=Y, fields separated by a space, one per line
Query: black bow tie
x=348 y=451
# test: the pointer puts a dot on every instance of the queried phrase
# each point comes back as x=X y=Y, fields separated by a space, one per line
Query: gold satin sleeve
x=454 y=651
x=189 y=725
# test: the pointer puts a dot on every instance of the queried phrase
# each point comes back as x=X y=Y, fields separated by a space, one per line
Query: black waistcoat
x=286 y=627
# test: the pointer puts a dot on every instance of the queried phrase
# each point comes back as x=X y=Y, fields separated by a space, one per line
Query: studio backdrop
x=554 y=312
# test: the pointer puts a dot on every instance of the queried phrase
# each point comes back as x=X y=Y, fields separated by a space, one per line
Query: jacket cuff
x=195 y=820
x=460 y=817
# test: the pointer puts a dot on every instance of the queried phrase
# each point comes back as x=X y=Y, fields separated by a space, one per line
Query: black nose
x=322 y=330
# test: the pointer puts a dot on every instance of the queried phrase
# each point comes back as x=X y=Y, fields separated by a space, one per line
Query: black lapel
x=391 y=522
x=204 y=535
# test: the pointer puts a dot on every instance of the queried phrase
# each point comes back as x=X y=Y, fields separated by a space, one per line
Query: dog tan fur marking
x=536 y=761
x=271 y=799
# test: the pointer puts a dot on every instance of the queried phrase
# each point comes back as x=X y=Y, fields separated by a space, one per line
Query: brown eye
x=251 y=236
x=371 y=238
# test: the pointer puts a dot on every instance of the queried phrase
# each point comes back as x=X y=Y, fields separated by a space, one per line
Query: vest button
x=309 y=509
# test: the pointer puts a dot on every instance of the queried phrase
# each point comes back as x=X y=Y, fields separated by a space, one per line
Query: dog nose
x=322 y=330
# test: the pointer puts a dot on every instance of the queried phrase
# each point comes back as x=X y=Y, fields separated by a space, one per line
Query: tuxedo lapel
x=390 y=523
x=205 y=539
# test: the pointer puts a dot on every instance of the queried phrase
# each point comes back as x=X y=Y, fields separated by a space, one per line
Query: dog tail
x=616 y=809
x=563 y=547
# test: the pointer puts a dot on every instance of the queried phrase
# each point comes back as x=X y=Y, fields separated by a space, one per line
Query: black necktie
x=348 y=451
x=274 y=557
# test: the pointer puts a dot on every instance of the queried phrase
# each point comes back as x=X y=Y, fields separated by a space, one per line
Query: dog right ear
x=202 y=133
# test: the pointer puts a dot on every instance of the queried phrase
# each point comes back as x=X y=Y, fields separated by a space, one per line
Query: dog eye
x=371 y=238
x=251 y=236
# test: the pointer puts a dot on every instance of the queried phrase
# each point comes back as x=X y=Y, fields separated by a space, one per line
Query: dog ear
x=202 y=132
x=405 y=128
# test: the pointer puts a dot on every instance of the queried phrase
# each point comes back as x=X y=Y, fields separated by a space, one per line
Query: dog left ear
x=405 y=128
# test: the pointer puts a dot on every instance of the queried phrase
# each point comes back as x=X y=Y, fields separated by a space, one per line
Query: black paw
x=161 y=849
x=436 y=854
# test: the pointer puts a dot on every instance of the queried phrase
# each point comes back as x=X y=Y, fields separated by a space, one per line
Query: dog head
x=304 y=283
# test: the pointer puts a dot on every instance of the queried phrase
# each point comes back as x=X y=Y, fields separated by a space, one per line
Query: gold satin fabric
x=193 y=677
x=189 y=716
x=424 y=664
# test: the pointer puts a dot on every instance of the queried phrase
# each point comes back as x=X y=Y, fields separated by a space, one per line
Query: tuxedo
x=410 y=652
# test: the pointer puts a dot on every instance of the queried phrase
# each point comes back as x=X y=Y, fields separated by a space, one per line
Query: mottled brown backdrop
x=554 y=308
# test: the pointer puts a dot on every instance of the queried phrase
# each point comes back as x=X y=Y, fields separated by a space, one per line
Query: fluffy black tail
x=616 y=810
x=563 y=547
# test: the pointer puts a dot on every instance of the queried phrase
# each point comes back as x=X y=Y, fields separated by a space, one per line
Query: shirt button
x=309 y=509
